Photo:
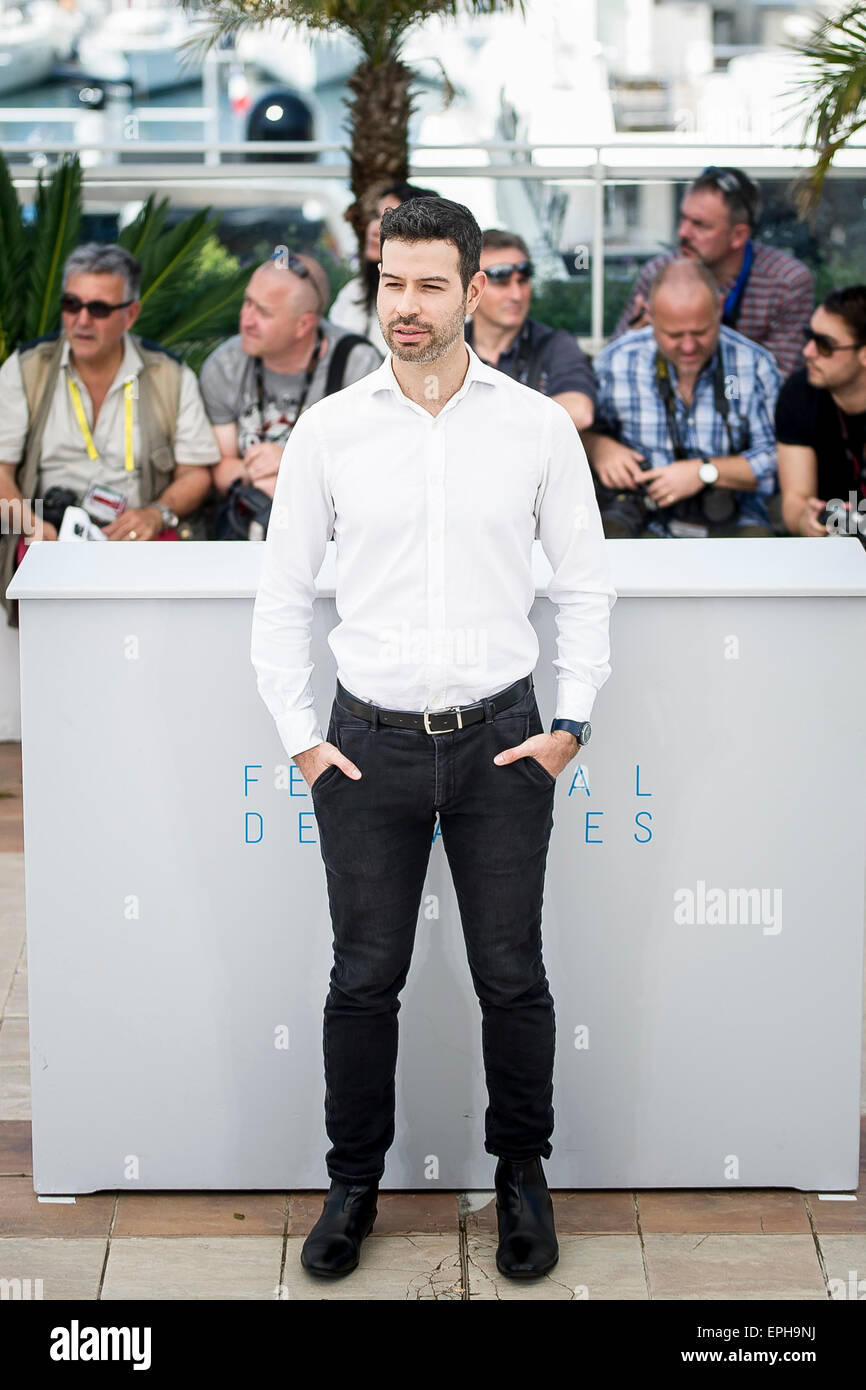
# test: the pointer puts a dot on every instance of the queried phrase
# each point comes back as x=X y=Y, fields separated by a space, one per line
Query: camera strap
x=308 y=381
x=665 y=388
x=858 y=465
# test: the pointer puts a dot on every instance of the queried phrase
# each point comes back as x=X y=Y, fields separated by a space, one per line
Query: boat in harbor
x=140 y=44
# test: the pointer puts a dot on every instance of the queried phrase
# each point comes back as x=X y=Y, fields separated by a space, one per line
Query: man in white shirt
x=434 y=474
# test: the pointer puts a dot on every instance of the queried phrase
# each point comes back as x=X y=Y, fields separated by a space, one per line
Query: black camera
x=54 y=504
x=625 y=513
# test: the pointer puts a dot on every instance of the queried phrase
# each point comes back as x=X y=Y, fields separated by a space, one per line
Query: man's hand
x=263 y=461
x=42 y=531
x=313 y=761
x=146 y=522
x=615 y=464
x=673 y=482
x=553 y=751
x=809 y=523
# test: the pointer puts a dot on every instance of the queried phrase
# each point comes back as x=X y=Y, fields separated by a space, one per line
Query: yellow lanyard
x=92 y=451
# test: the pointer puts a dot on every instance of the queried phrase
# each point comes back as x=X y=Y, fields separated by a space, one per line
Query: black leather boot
x=333 y=1246
x=527 y=1240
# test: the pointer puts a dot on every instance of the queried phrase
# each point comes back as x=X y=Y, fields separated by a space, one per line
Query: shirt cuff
x=574 y=700
x=299 y=732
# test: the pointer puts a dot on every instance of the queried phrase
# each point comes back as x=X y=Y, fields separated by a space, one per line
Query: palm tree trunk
x=379 y=111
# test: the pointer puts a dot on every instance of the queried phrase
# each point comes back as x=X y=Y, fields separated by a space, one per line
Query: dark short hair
x=436 y=219
x=742 y=197
x=495 y=239
x=849 y=304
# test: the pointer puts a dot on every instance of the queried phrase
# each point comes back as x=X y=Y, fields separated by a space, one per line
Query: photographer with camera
x=96 y=416
x=683 y=441
x=256 y=384
x=821 y=423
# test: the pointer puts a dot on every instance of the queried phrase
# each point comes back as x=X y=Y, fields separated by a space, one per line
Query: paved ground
x=700 y=1244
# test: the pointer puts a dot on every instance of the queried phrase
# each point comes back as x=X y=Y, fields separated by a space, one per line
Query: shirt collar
x=383 y=378
x=131 y=363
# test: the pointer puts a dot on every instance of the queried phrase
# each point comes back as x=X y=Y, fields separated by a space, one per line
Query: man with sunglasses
x=768 y=295
x=503 y=334
x=821 y=419
x=101 y=415
x=285 y=357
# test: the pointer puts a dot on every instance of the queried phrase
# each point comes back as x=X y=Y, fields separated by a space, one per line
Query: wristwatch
x=170 y=519
x=581 y=728
x=708 y=473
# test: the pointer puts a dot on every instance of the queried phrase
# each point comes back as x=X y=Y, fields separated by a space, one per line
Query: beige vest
x=158 y=397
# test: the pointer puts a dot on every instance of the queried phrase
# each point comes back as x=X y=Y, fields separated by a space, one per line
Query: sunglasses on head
x=825 y=346
x=501 y=274
x=96 y=308
x=289 y=261
x=729 y=181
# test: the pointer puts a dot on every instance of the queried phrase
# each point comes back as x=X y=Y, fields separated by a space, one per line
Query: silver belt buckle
x=446 y=710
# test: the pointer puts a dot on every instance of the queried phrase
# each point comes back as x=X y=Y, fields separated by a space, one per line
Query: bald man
x=683 y=442
x=285 y=357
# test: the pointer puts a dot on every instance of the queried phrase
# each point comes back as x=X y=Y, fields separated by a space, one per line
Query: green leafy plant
x=831 y=95
x=191 y=288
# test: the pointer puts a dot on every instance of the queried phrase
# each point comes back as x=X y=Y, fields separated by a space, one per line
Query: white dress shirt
x=434 y=519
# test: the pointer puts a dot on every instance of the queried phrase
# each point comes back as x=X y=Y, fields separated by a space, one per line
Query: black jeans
x=375 y=836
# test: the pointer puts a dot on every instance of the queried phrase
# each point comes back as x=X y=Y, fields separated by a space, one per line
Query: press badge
x=104 y=503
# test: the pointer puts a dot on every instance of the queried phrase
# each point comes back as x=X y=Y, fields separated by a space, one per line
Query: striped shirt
x=776 y=305
x=631 y=408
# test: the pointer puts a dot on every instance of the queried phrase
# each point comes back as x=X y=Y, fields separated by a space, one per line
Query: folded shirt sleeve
x=300 y=526
x=570 y=530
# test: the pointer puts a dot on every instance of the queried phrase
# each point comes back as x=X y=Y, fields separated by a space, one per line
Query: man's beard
x=437 y=344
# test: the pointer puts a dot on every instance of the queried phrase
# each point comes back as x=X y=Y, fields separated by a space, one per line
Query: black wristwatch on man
x=581 y=729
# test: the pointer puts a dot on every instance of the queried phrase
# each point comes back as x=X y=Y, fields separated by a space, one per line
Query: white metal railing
x=641 y=159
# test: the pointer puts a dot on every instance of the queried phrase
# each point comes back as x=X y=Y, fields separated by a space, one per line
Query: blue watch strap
x=573 y=726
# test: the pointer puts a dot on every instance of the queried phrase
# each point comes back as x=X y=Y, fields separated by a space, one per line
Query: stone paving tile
x=401 y=1268
x=763 y=1211
x=400 y=1213
x=22 y=1214
x=17 y=1004
x=840 y=1217
x=845 y=1261
x=15 y=1092
x=14 y=1042
x=723 y=1266
x=589 y=1267
x=601 y=1213
x=16 y=1152
x=201 y=1214
x=150 y=1267
x=68 y=1267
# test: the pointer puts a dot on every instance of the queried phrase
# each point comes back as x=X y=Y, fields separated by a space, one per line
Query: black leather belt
x=439 y=721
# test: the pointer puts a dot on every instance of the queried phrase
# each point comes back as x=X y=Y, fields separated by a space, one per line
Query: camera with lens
x=54 y=504
x=625 y=513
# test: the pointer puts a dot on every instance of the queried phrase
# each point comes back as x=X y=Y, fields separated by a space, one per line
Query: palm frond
x=13 y=259
x=58 y=219
x=830 y=95
x=147 y=225
x=169 y=263
x=211 y=312
x=379 y=27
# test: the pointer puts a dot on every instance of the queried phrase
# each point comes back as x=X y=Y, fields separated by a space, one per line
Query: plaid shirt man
x=631 y=409
x=776 y=306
